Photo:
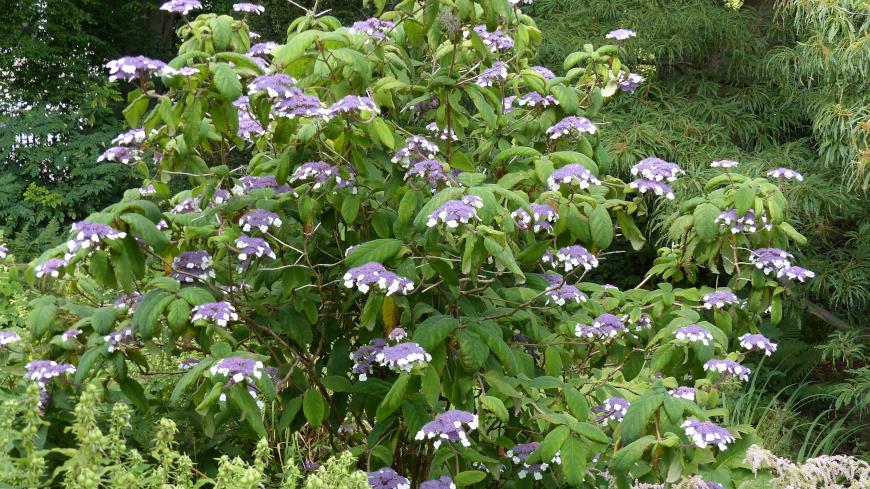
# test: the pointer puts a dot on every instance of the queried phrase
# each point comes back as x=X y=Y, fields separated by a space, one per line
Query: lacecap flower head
x=705 y=433
x=191 y=266
x=571 y=126
x=612 y=409
x=416 y=148
x=560 y=292
x=259 y=219
x=573 y=175
x=182 y=7
x=373 y=273
x=620 y=34
x=452 y=213
x=693 y=333
x=657 y=169
x=718 y=299
x=605 y=326
x=729 y=367
x=219 y=313
x=785 y=174
x=687 y=393
x=403 y=357
x=387 y=478
x=452 y=426
x=770 y=259
x=571 y=257
x=42 y=371
x=758 y=342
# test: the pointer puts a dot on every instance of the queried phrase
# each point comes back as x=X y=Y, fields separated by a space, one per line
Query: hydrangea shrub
x=390 y=233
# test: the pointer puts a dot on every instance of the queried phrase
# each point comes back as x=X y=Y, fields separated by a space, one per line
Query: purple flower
x=770 y=259
x=449 y=426
x=220 y=313
x=250 y=248
x=605 y=326
x=190 y=204
x=70 y=334
x=726 y=164
x=183 y=71
x=472 y=200
x=612 y=409
x=262 y=49
x=729 y=367
x=275 y=86
x=318 y=171
x=188 y=363
x=182 y=7
x=239 y=369
x=693 y=333
x=758 y=342
x=431 y=170
x=191 y=266
x=119 y=340
x=353 y=103
x=443 y=482
x=535 y=99
x=545 y=72
x=403 y=357
x=628 y=82
x=710 y=485
x=571 y=257
x=416 y=148
x=687 y=393
x=656 y=169
x=575 y=175
x=452 y=213
x=249 y=127
x=494 y=74
x=120 y=154
x=373 y=27
x=41 y=371
x=89 y=235
x=387 y=478
x=363 y=277
x=397 y=334
x=795 y=273
x=507 y=105
x=8 y=337
x=496 y=41
x=441 y=133
x=643 y=322
x=298 y=104
x=147 y=190
x=50 y=268
x=560 y=293
x=4 y=252
x=718 y=299
x=133 y=68
x=364 y=358
x=703 y=433
x=520 y=454
x=249 y=8
x=128 y=302
x=220 y=196
x=571 y=126
x=785 y=174
x=659 y=188
x=620 y=34
x=259 y=219
x=744 y=224
x=133 y=137
x=249 y=183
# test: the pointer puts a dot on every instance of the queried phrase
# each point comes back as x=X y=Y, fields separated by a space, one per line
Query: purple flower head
x=8 y=337
x=259 y=219
x=522 y=218
x=41 y=371
x=605 y=326
x=620 y=34
x=496 y=41
x=275 y=86
x=4 y=252
x=397 y=334
x=703 y=433
x=309 y=465
x=183 y=71
x=318 y=171
x=128 y=302
x=770 y=259
x=387 y=478
x=726 y=164
x=188 y=363
x=492 y=75
x=182 y=7
x=219 y=313
x=191 y=266
x=658 y=188
x=416 y=148
x=744 y=224
x=298 y=104
x=148 y=190
x=507 y=105
x=70 y=334
x=373 y=273
x=693 y=333
x=535 y=99
x=403 y=357
x=190 y=204
x=120 y=154
x=364 y=358
x=574 y=175
x=710 y=485
x=571 y=126
x=452 y=213
x=353 y=103
x=795 y=273
x=472 y=200
x=250 y=248
x=432 y=170
x=687 y=393
x=249 y=183
x=133 y=137
x=373 y=27
x=119 y=340
x=560 y=293
x=520 y=453
x=133 y=68
x=758 y=342
x=656 y=169
x=262 y=49
x=643 y=322
x=451 y=426
x=249 y=127
x=545 y=72
x=785 y=174
x=628 y=82
x=238 y=369
x=50 y=268
x=571 y=257
x=90 y=235
x=718 y=299
x=612 y=409
x=443 y=482
x=249 y=8
x=441 y=133
x=729 y=367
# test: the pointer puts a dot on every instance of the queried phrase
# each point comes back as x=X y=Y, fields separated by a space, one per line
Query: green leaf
x=149 y=310
x=460 y=161
x=625 y=458
x=177 y=314
x=497 y=407
x=744 y=199
x=550 y=445
x=639 y=414
x=187 y=379
x=134 y=392
x=704 y=221
x=573 y=455
x=567 y=97
x=208 y=401
x=40 y=318
x=226 y=81
x=379 y=250
x=222 y=32
x=295 y=47
x=601 y=227
x=469 y=477
x=314 y=407
x=577 y=403
x=473 y=349
x=590 y=431
x=394 y=397
x=383 y=132
x=432 y=332
x=102 y=319
x=251 y=413
x=513 y=153
x=196 y=295
x=630 y=230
